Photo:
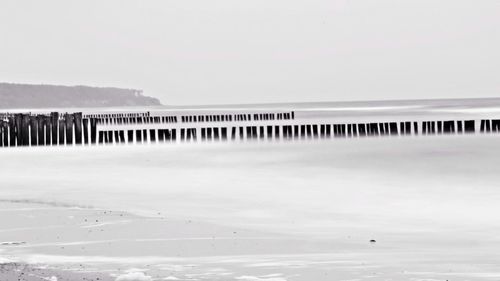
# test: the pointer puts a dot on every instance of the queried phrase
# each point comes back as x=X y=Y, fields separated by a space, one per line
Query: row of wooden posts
x=75 y=129
x=34 y=130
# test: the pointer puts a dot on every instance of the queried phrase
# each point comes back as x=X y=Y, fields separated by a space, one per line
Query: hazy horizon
x=234 y=52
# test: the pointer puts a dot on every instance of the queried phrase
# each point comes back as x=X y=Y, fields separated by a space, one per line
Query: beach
x=420 y=208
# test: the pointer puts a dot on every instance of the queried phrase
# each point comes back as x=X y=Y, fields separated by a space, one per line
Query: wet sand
x=275 y=212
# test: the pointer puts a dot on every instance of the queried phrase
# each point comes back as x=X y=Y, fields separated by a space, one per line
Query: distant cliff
x=50 y=96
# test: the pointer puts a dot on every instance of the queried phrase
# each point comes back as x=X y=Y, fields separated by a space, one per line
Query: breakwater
x=80 y=128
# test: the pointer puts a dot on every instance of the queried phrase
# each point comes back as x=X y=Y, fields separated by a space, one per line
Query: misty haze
x=249 y=140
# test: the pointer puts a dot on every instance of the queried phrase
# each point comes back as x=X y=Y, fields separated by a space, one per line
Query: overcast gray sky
x=233 y=51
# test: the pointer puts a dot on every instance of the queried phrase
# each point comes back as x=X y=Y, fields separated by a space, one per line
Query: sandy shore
x=48 y=241
x=274 y=212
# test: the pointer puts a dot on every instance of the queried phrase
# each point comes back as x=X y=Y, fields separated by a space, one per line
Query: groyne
x=80 y=128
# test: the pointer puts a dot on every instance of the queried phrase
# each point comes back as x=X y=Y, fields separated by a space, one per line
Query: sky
x=257 y=51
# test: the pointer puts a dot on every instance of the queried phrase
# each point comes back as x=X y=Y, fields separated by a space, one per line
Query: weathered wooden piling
x=101 y=137
x=41 y=129
x=69 y=128
x=54 y=121
x=5 y=132
x=223 y=132
x=183 y=134
x=1 y=133
x=109 y=139
x=459 y=127
x=138 y=136
x=85 y=128
x=77 y=119
x=495 y=125
x=93 y=130
x=48 y=130
x=216 y=133
x=121 y=135
x=62 y=132
x=449 y=127
x=152 y=133
x=361 y=130
x=393 y=128
x=485 y=126
x=130 y=136
x=254 y=132
x=469 y=126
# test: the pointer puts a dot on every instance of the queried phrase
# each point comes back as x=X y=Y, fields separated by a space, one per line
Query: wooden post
x=69 y=128
x=203 y=134
x=254 y=132
x=110 y=137
x=173 y=135
x=224 y=132
x=25 y=129
x=18 y=128
x=374 y=129
x=469 y=126
x=381 y=129
x=54 y=120
x=138 y=136
x=233 y=133
x=41 y=129
x=62 y=131
x=85 y=123
x=408 y=128
x=78 y=127
x=459 y=127
x=393 y=128
x=495 y=125
x=5 y=129
x=448 y=127
x=183 y=134
x=402 y=128
x=152 y=133
x=48 y=131
x=93 y=130
x=1 y=133
x=241 y=132
x=216 y=133
x=314 y=129
x=130 y=136
x=160 y=135
x=361 y=130
x=34 y=130
x=101 y=137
